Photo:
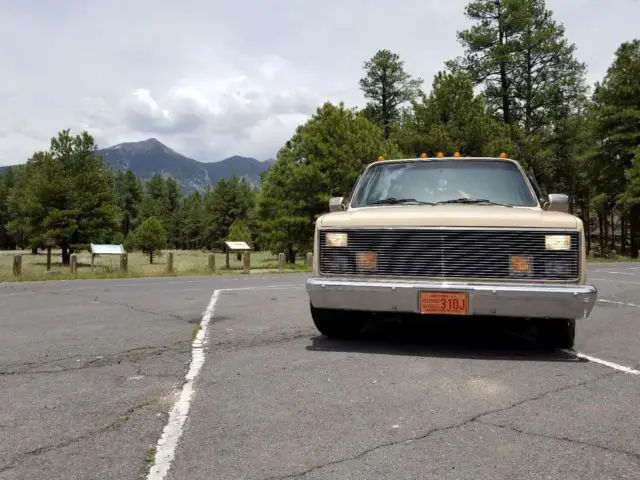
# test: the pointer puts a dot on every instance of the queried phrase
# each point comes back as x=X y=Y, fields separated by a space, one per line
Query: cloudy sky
x=213 y=78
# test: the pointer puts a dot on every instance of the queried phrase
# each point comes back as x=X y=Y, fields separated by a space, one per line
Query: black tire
x=342 y=324
x=558 y=333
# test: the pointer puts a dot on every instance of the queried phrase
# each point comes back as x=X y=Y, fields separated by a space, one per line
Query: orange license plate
x=444 y=303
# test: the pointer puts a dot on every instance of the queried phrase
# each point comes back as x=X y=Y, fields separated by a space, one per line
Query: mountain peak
x=148 y=142
x=148 y=157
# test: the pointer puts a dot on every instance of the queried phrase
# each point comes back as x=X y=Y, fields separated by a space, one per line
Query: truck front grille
x=451 y=253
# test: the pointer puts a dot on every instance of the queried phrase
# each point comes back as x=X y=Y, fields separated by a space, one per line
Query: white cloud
x=212 y=79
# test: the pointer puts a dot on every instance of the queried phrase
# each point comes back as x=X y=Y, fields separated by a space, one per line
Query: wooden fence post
x=281 y=261
x=212 y=262
x=49 y=243
x=74 y=264
x=309 y=260
x=17 y=266
x=170 y=262
x=247 y=261
x=124 y=262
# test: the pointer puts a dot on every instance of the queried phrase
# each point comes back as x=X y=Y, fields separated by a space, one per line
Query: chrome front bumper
x=499 y=299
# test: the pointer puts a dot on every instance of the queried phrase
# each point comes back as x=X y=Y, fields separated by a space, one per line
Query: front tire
x=559 y=333
x=342 y=324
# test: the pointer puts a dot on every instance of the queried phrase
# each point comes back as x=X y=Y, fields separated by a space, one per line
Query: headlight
x=557 y=242
x=333 y=239
x=557 y=270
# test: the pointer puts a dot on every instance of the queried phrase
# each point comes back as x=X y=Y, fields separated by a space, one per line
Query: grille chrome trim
x=441 y=253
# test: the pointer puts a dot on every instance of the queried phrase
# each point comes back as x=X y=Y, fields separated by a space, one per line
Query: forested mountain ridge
x=149 y=157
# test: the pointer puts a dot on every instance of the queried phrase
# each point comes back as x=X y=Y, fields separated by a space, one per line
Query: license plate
x=444 y=303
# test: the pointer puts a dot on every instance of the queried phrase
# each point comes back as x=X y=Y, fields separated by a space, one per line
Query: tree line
x=518 y=87
x=69 y=197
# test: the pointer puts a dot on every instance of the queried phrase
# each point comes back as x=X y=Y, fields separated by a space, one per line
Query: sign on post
x=237 y=247
x=106 y=249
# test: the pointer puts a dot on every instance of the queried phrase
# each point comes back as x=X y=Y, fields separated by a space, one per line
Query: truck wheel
x=337 y=323
x=559 y=333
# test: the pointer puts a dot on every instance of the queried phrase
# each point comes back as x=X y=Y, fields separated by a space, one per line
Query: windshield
x=431 y=182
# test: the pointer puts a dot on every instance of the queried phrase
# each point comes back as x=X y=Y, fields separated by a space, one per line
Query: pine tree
x=617 y=127
x=323 y=159
x=519 y=54
x=387 y=86
x=66 y=194
x=129 y=193
x=530 y=77
x=451 y=118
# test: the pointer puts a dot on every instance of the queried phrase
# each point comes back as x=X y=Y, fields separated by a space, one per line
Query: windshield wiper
x=397 y=201
x=474 y=201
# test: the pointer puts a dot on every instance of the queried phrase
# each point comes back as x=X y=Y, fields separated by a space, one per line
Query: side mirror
x=558 y=202
x=336 y=204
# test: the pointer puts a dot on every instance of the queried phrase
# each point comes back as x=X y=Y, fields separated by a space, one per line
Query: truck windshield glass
x=431 y=182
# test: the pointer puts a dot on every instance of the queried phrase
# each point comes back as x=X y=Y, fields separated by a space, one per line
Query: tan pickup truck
x=450 y=236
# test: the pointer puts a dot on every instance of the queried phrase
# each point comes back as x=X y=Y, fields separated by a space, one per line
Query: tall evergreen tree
x=129 y=193
x=67 y=194
x=617 y=121
x=7 y=182
x=451 y=118
x=230 y=200
x=387 y=86
x=323 y=159
x=520 y=55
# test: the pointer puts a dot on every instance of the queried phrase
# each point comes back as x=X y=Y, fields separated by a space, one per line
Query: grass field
x=34 y=267
x=184 y=263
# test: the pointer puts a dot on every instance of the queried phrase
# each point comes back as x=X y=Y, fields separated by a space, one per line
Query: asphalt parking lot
x=92 y=386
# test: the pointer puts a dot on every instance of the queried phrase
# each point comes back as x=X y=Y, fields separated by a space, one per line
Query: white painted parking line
x=616 y=302
x=89 y=287
x=166 y=447
x=168 y=442
x=616 y=273
x=617 y=282
x=261 y=287
x=123 y=285
x=613 y=267
x=606 y=363
x=583 y=356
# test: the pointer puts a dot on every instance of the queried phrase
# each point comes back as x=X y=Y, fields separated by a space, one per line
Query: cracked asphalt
x=89 y=371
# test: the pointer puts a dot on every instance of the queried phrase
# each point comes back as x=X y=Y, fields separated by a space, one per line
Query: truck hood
x=448 y=216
